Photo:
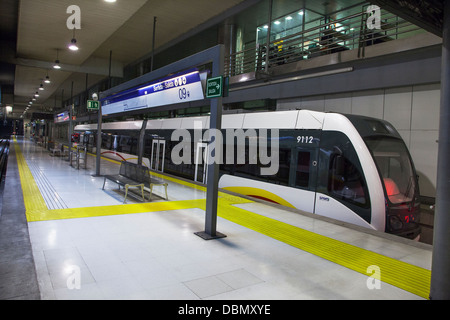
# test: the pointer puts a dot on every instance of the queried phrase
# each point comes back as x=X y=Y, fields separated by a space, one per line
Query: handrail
x=319 y=40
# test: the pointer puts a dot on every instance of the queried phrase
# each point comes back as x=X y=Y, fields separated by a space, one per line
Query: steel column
x=440 y=271
x=99 y=141
x=212 y=185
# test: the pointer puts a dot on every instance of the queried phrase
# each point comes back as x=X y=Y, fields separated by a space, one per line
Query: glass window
x=282 y=176
x=346 y=181
x=393 y=162
x=302 y=173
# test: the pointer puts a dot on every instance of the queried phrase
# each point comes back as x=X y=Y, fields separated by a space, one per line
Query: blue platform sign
x=179 y=88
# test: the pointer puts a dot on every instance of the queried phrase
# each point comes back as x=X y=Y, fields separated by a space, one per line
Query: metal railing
x=349 y=33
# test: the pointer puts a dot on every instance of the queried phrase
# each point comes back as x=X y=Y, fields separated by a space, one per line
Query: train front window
x=393 y=162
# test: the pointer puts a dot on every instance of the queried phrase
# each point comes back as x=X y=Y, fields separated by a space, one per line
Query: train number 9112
x=305 y=139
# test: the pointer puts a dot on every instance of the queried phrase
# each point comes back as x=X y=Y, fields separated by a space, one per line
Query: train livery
x=347 y=167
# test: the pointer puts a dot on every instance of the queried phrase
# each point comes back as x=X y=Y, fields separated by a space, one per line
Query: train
x=350 y=168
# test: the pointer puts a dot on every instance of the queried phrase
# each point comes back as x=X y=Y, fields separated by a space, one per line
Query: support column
x=269 y=30
x=440 y=271
x=212 y=186
x=99 y=141
x=141 y=142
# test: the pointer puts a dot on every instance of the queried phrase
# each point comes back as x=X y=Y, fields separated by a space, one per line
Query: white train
x=350 y=168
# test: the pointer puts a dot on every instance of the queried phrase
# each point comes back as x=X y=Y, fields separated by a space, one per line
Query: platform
x=86 y=244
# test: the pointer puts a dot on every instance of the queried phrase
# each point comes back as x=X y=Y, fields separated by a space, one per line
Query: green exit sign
x=93 y=105
x=214 y=87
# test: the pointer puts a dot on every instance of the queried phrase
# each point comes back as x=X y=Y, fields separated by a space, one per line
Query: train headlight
x=395 y=223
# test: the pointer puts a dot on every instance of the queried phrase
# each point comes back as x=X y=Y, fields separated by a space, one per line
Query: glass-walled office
x=300 y=30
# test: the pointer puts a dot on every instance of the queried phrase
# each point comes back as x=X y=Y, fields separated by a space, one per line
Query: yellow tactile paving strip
x=397 y=273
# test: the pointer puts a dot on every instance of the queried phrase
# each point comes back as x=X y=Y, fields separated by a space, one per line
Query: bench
x=58 y=149
x=135 y=175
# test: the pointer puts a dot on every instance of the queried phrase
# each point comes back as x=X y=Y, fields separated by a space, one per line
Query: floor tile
x=209 y=286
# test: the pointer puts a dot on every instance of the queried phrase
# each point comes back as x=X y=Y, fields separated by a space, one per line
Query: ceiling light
x=36 y=94
x=288 y=18
x=301 y=13
x=56 y=65
x=47 y=80
x=73 y=45
x=277 y=22
x=111 y=1
x=41 y=87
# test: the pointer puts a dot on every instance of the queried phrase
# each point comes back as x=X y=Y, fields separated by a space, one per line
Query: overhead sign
x=214 y=87
x=179 y=88
x=62 y=117
x=92 y=105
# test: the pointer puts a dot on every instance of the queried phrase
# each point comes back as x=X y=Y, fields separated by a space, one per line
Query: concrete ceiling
x=427 y=14
x=34 y=32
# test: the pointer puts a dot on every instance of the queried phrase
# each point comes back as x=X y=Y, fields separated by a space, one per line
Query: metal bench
x=58 y=149
x=134 y=175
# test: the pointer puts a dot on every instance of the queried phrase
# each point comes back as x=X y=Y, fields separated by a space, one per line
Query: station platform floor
x=86 y=244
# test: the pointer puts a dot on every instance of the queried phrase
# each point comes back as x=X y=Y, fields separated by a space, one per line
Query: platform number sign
x=214 y=87
x=92 y=105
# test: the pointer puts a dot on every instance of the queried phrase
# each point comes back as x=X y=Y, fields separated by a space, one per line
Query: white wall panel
x=368 y=103
x=339 y=103
x=425 y=107
x=424 y=151
x=397 y=107
x=316 y=103
x=288 y=104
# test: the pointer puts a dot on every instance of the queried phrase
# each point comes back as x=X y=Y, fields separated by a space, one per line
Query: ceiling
x=35 y=32
x=427 y=14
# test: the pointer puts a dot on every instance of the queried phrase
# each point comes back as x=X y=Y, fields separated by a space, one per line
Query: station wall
x=413 y=110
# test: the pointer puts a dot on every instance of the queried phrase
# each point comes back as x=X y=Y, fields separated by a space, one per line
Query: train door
x=304 y=175
x=158 y=154
x=342 y=191
x=201 y=167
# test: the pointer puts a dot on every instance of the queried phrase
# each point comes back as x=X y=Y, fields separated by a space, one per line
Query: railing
x=344 y=34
